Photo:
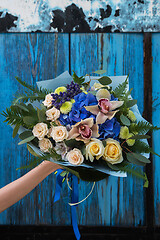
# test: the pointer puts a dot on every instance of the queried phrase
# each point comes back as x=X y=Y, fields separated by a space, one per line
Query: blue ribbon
x=59 y=180
x=74 y=199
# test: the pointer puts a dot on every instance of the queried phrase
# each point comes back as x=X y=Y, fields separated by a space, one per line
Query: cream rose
x=45 y=144
x=113 y=152
x=48 y=100
x=40 y=130
x=75 y=157
x=59 y=133
x=52 y=114
x=95 y=149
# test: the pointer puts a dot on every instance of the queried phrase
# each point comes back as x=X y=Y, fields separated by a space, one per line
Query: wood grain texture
x=156 y=121
x=31 y=57
x=115 y=201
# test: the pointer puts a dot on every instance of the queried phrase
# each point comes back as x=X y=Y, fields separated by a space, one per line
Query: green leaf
x=41 y=115
x=121 y=88
x=100 y=71
x=15 y=130
x=132 y=159
x=105 y=80
x=141 y=158
x=72 y=143
x=29 y=139
x=113 y=167
x=25 y=134
x=125 y=120
x=142 y=127
x=28 y=120
x=131 y=103
x=134 y=171
x=137 y=136
x=77 y=79
x=22 y=106
x=146 y=181
x=32 y=151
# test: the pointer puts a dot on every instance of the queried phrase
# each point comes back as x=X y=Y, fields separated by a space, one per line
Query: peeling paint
x=79 y=15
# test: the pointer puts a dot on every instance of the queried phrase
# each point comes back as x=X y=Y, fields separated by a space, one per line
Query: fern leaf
x=26 y=85
x=134 y=171
x=142 y=127
x=121 y=89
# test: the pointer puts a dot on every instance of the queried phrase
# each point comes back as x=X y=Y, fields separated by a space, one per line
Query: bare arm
x=16 y=190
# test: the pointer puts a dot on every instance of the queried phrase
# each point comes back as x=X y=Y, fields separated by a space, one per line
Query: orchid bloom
x=84 y=130
x=105 y=107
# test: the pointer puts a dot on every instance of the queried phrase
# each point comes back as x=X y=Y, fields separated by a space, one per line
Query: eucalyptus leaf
x=112 y=166
x=140 y=158
x=28 y=120
x=132 y=159
x=41 y=115
x=100 y=71
x=22 y=106
x=131 y=103
x=105 y=80
x=26 y=140
x=15 y=130
x=25 y=134
x=32 y=151
x=125 y=120
x=137 y=136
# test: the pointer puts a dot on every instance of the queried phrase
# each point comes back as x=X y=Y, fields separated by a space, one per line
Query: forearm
x=16 y=190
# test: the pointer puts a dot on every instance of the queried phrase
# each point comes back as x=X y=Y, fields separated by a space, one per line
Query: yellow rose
x=59 y=133
x=95 y=149
x=45 y=144
x=75 y=157
x=40 y=130
x=48 y=100
x=113 y=152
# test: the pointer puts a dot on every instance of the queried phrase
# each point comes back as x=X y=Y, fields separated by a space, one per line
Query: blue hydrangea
x=109 y=129
x=78 y=111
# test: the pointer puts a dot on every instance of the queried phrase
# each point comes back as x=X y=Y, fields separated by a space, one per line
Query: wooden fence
x=33 y=57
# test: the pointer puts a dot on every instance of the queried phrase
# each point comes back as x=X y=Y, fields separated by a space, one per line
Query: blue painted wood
x=114 y=201
x=43 y=56
x=156 y=121
x=31 y=57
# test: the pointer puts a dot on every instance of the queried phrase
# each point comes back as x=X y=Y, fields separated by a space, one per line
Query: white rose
x=75 y=157
x=94 y=148
x=113 y=152
x=40 y=130
x=52 y=114
x=48 y=100
x=59 y=133
x=45 y=144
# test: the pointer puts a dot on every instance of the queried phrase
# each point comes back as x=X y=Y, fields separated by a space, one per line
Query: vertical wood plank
x=115 y=201
x=156 y=121
x=32 y=57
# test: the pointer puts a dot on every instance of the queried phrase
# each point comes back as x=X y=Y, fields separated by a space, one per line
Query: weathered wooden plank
x=31 y=57
x=114 y=201
x=156 y=121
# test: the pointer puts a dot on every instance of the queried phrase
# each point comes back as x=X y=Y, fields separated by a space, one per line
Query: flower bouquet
x=89 y=125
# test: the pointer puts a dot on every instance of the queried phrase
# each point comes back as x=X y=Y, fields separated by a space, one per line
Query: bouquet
x=90 y=125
